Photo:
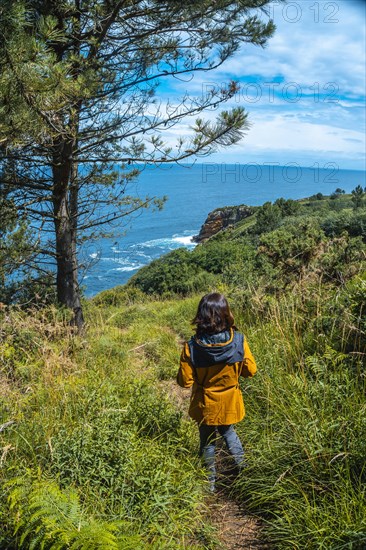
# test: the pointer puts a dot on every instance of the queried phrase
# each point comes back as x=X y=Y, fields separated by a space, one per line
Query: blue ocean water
x=193 y=191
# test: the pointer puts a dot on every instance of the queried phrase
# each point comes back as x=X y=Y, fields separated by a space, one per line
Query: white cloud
x=292 y=134
x=309 y=50
x=320 y=47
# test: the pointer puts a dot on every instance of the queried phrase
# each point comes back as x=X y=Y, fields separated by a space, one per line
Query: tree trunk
x=68 y=290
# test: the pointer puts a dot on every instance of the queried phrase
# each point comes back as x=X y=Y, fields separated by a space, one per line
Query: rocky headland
x=220 y=219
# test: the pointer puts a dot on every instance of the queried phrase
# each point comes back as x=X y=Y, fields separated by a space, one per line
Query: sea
x=192 y=191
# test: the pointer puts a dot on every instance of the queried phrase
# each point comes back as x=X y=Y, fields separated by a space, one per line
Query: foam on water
x=116 y=259
x=168 y=243
x=128 y=268
x=121 y=257
x=186 y=241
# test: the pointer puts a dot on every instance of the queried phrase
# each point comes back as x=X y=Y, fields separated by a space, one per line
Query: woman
x=211 y=363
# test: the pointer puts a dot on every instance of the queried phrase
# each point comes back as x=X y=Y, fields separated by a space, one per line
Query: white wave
x=128 y=268
x=115 y=260
x=142 y=255
x=186 y=241
x=162 y=243
x=94 y=255
x=167 y=242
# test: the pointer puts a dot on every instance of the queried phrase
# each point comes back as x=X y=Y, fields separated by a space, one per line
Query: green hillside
x=279 y=246
x=97 y=449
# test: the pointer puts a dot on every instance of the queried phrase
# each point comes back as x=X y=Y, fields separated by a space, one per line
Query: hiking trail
x=236 y=529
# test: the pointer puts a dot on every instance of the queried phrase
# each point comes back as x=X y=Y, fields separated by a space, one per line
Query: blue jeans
x=208 y=437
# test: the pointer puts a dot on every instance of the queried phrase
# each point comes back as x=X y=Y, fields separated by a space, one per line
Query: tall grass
x=91 y=421
x=305 y=431
x=88 y=415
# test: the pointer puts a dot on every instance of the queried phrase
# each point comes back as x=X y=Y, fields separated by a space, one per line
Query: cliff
x=219 y=219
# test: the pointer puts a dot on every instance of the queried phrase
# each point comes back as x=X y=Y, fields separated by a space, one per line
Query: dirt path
x=236 y=529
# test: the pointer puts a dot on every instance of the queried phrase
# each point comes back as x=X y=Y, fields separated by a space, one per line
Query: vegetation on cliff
x=272 y=250
x=97 y=450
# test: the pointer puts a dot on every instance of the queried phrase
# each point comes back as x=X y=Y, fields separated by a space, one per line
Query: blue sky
x=305 y=92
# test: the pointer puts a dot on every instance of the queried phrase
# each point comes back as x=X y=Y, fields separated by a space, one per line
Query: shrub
x=288 y=207
x=291 y=248
x=354 y=222
x=129 y=473
x=217 y=256
x=172 y=273
x=268 y=217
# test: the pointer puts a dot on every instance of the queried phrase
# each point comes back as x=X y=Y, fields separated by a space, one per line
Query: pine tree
x=357 y=196
x=17 y=248
x=80 y=110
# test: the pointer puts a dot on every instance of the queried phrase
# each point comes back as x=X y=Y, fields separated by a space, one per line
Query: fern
x=50 y=519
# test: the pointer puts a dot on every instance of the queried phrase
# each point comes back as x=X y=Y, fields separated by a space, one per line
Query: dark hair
x=213 y=314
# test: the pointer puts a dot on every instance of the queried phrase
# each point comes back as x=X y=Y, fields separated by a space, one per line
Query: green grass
x=91 y=414
x=305 y=434
x=92 y=434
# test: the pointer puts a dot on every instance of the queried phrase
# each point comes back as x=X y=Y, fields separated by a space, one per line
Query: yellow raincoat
x=216 y=396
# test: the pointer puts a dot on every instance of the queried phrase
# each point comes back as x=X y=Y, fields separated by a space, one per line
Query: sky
x=305 y=91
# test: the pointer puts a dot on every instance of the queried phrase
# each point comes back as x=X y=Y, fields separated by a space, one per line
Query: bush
x=288 y=207
x=268 y=217
x=291 y=248
x=354 y=222
x=174 y=273
x=128 y=472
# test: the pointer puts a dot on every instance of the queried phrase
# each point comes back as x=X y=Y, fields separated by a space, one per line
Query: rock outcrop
x=219 y=219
